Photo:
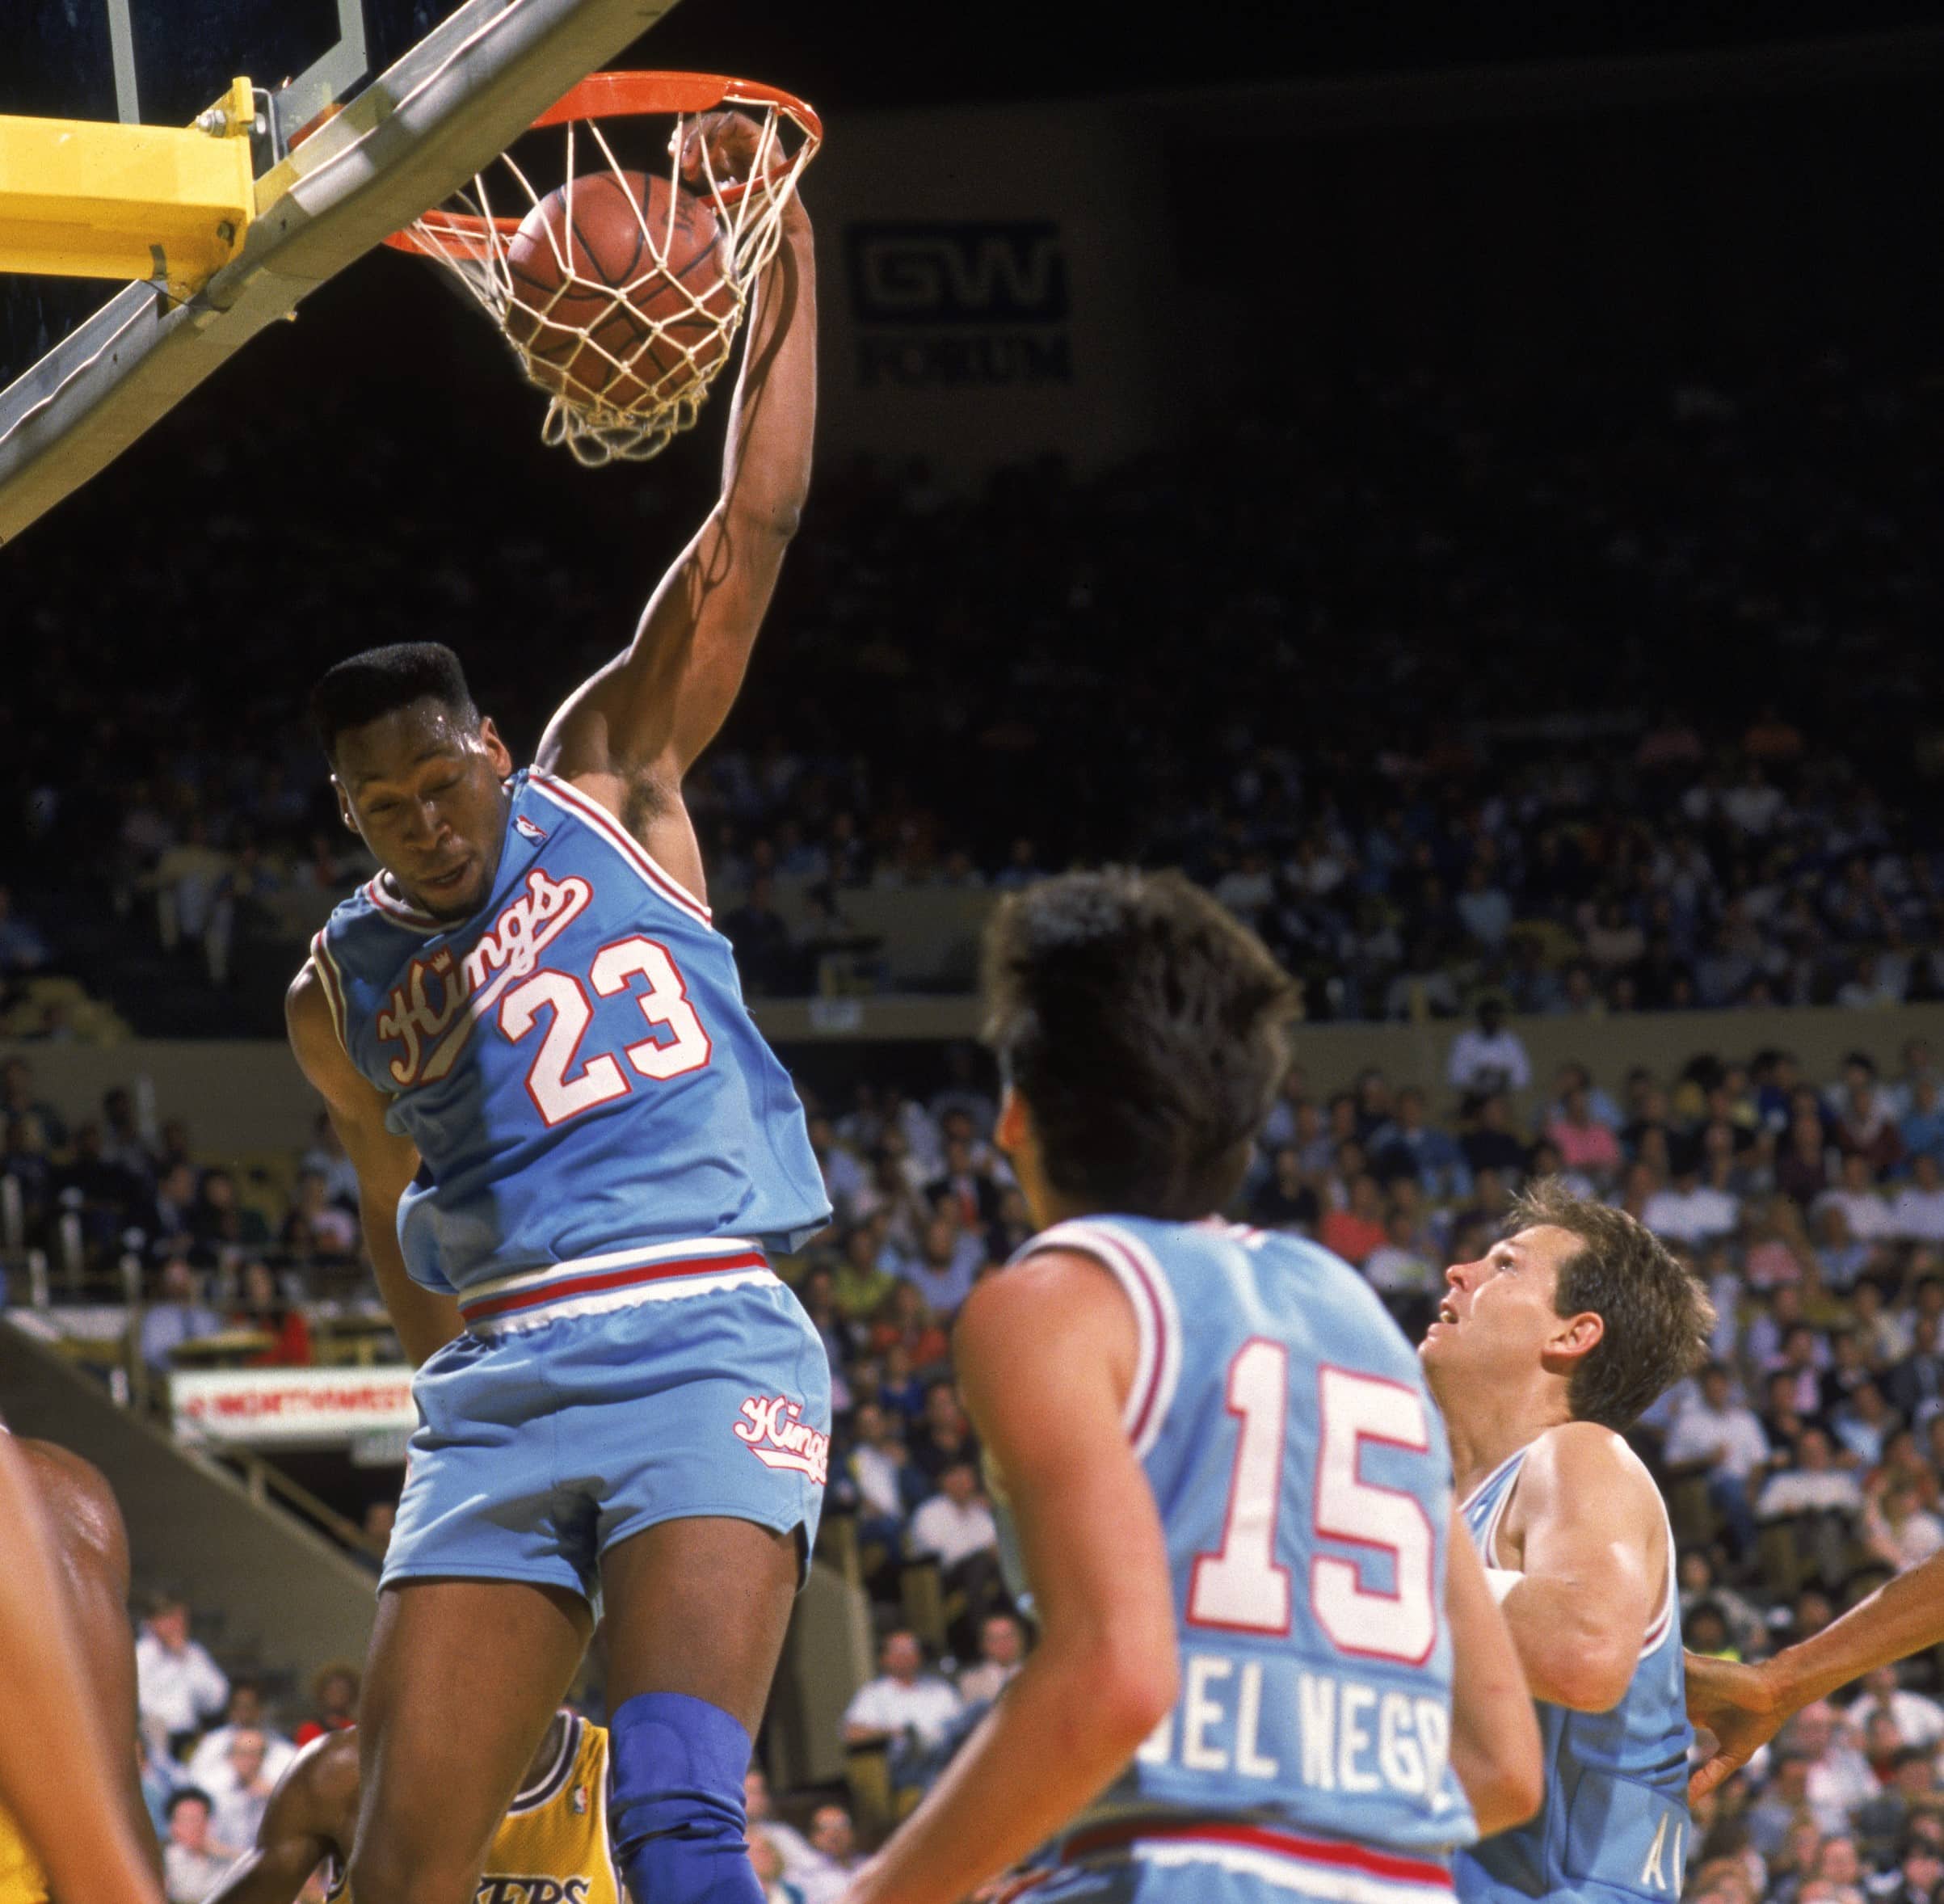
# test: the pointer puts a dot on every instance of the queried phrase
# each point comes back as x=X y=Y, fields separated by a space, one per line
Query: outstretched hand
x=733 y=143
x=1738 y=1704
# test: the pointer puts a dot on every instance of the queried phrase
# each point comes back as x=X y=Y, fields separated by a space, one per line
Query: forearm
x=1902 y=1617
x=766 y=457
x=57 y=1774
x=1042 y=1754
x=425 y=1321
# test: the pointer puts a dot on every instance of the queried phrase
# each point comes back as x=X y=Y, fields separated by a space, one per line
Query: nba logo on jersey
x=528 y=829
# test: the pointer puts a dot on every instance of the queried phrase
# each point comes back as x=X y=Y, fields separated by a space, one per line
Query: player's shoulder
x=1585 y=1467
x=76 y=1494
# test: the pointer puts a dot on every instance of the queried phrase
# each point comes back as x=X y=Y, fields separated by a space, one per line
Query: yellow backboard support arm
x=88 y=199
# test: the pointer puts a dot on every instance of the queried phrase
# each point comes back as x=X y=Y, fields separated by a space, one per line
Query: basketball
x=620 y=280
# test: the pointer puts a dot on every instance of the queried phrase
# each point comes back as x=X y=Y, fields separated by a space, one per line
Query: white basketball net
x=654 y=369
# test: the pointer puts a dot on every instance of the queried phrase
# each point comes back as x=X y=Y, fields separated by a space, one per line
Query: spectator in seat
x=177 y=1314
x=1001 y=1652
x=239 y=1799
x=968 y=1189
x=1357 y=1230
x=890 y=1483
x=334 y=1696
x=1584 y=1142
x=862 y=1285
x=1783 y=1807
x=1284 y=1200
x=1720 y=1437
x=1688 y=1211
x=834 y=1838
x=1491 y=1144
x=1919 y=1720
x=793 y=1850
x=1914 y=1386
x=1801 y=1163
x=1839 y=1778
x=1822 y=1498
x=846 y=1182
x=766 y=1860
x=948 y=1264
x=1897 y=1530
x=1400 y=1266
x=317 y=1229
x=906 y=1708
x=261 y=1306
x=194 y=1861
x=1860 y=1201
x=764 y=954
x=1917 y=1214
x=1920 y=1130
x=221 y=1227
x=244 y=1713
x=906 y=1323
x=1411 y=1146
x=1488 y=1056
x=179 y=1687
x=955 y=1527
x=944 y=1435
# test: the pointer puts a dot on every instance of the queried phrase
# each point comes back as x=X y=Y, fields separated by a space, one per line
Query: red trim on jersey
x=1261 y=1838
x=606 y=1280
x=1158 y=1312
x=333 y=982
x=407 y=915
x=550 y=787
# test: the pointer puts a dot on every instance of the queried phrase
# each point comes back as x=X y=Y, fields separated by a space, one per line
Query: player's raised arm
x=630 y=734
x=1494 y=1732
x=304 y=1823
x=1745 y=1706
x=1589 y=1522
x=386 y=1162
x=1045 y=1355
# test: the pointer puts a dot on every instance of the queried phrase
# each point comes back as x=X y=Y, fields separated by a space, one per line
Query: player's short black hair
x=1143 y=1025
x=365 y=687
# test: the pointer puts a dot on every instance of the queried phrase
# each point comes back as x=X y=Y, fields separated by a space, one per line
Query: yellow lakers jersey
x=22 y=1881
x=552 y=1846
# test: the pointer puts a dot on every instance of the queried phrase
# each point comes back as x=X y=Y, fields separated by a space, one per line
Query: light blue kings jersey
x=1304 y=1485
x=574 y=1061
x=1614 y=1821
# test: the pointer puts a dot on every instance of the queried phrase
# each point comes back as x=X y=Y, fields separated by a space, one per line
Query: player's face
x=1498 y=1318
x=425 y=793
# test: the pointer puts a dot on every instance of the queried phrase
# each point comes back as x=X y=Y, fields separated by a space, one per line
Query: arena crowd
x=1403 y=699
x=1801 y=1466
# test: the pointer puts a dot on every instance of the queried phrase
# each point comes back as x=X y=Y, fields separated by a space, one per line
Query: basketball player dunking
x=1544 y=1352
x=575 y=1154
x=1270 y=1665
x=550 y=1848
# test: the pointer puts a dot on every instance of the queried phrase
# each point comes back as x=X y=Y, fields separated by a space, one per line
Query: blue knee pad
x=676 y=1801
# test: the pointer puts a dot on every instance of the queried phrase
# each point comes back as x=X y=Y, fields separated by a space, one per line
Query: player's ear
x=497 y=750
x=1575 y=1338
x=344 y=811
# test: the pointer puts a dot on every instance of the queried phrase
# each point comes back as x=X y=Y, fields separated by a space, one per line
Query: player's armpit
x=1044 y=1352
x=1494 y=1732
x=1592 y=1536
x=385 y=1164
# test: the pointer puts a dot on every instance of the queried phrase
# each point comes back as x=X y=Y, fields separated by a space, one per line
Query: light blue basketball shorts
x=577 y=1410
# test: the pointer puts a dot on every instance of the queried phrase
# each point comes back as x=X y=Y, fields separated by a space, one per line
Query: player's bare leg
x=463 y=1680
x=696 y=1612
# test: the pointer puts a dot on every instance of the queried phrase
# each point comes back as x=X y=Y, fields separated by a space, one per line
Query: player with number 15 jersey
x=1267 y=1668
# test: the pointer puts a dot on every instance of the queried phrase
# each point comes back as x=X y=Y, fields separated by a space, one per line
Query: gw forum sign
x=958 y=304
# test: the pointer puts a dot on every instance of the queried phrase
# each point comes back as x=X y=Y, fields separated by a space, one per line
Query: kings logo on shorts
x=772 y=1429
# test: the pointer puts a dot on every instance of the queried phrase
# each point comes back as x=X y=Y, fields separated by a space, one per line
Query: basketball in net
x=622 y=292
x=620 y=287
